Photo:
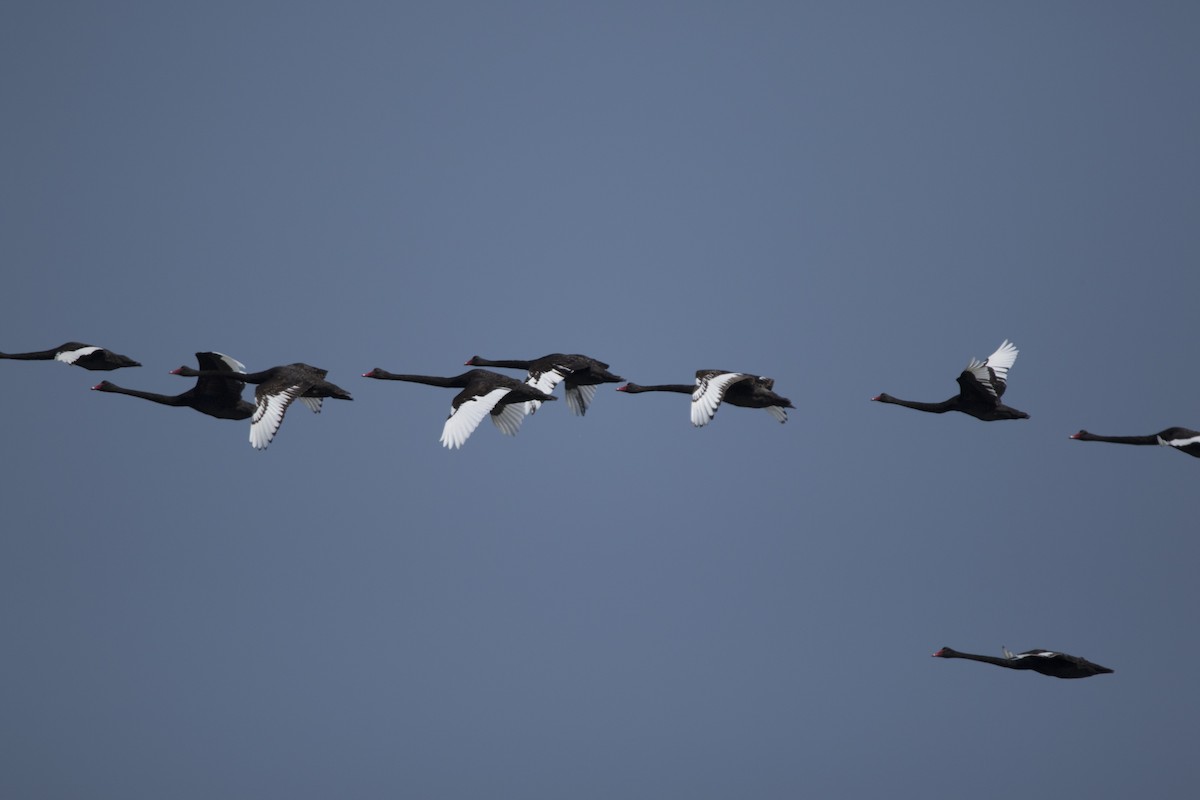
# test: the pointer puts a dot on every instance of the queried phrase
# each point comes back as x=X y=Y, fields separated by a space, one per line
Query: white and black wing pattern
x=580 y=397
x=466 y=416
x=544 y=382
x=71 y=356
x=230 y=362
x=1011 y=656
x=710 y=390
x=313 y=403
x=268 y=414
x=992 y=372
x=1180 y=443
x=509 y=418
x=229 y=387
x=1044 y=656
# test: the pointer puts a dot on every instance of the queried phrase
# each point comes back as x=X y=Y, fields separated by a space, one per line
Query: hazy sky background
x=851 y=197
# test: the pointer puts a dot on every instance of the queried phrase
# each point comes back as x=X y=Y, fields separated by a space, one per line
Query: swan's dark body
x=88 y=356
x=716 y=386
x=1047 y=662
x=981 y=385
x=275 y=390
x=1184 y=440
x=581 y=374
x=216 y=397
x=483 y=393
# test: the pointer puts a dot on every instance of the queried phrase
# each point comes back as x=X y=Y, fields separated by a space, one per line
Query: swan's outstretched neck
x=1084 y=436
x=932 y=408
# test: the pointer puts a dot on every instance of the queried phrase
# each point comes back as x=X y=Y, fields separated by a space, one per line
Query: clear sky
x=850 y=197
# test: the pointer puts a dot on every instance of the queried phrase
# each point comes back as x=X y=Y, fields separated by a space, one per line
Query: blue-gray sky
x=851 y=197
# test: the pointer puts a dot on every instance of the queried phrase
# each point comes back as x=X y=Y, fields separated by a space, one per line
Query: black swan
x=483 y=393
x=1182 y=439
x=216 y=397
x=81 y=355
x=981 y=385
x=714 y=386
x=582 y=375
x=1047 y=662
x=276 y=388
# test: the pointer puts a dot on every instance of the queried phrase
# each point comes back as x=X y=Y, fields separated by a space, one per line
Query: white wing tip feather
x=510 y=418
x=231 y=362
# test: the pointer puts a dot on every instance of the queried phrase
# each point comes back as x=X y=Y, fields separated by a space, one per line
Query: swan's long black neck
x=946 y=652
x=244 y=377
x=455 y=382
x=1092 y=437
x=932 y=408
x=164 y=399
x=509 y=363
x=680 y=388
x=42 y=355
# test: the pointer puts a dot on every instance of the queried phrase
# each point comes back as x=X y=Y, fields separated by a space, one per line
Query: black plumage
x=219 y=397
x=1046 y=662
x=88 y=356
x=981 y=385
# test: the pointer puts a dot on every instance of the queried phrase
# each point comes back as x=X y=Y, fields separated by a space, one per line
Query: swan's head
x=186 y=372
x=474 y=361
x=103 y=386
x=945 y=652
x=883 y=398
x=632 y=388
x=375 y=373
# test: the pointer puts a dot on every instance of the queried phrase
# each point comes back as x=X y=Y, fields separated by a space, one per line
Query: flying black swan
x=1182 y=439
x=81 y=355
x=981 y=385
x=582 y=374
x=276 y=388
x=483 y=392
x=714 y=386
x=216 y=397
x=1047 y=662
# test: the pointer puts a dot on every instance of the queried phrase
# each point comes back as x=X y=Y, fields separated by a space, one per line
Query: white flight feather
x=268 y=416
x=999 y=362
x=466 y=418
x=509 y=418
x=1178 y=442
x=778 y=412
x=543 y=382
x=71 y=356
x=231 y=362
x=710 y=390
x=1035 y=654
x=580 y=397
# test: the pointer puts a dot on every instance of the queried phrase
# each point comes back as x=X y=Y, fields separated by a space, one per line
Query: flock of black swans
x=508 y=401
